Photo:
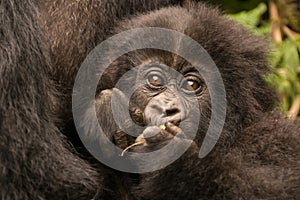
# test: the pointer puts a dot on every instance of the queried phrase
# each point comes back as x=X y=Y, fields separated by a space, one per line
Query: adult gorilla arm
x=35 y=160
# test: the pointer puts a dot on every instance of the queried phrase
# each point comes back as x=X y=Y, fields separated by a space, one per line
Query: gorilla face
x=168 y=97
x=170 y=94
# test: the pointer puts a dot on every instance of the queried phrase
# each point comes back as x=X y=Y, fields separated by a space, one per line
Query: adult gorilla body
x=35 y=161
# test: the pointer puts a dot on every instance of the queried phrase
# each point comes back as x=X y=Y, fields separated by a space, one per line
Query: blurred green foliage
x=278 y=21
x=234 y=6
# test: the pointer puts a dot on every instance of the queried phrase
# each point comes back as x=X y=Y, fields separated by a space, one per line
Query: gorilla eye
x=191 y=85
x=155 y=80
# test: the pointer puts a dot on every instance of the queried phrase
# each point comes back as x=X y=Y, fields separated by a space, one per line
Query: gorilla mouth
x=175 y=121
x=154 y=120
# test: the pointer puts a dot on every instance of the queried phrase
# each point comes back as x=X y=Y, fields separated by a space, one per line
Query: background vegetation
x=278 y=20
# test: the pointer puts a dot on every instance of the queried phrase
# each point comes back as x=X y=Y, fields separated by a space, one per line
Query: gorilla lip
x=162 y=120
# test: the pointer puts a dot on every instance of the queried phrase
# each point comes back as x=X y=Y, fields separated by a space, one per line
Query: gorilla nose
x=172 y=115
x=158 y=114
x=170 y=112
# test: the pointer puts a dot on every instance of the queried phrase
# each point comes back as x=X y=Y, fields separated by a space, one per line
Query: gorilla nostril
x=171 y=112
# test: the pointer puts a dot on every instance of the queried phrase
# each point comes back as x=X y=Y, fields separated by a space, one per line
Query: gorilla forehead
x=159 y=58
x=228 y=43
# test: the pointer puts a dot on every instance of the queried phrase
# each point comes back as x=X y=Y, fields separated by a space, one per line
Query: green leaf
x=250 y=19
x=276 y=55
x=290 y=55
x=263 y=30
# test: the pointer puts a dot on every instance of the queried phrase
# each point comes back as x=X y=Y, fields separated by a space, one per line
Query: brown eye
x=191 y=85
x=155 y=80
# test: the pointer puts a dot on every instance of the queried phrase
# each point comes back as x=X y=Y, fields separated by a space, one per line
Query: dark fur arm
x=35 y=160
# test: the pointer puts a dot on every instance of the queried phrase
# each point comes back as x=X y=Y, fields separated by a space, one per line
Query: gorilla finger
x=174 y=130
x=154 y=134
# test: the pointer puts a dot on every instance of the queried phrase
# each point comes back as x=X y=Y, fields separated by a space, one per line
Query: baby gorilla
x=258 y=153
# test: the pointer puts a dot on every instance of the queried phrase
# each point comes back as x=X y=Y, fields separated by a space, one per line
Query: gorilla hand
x=154 y=137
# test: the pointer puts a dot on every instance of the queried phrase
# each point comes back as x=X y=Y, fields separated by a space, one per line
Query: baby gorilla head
x=167 y=88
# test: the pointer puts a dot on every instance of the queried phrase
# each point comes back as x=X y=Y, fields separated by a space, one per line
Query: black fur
x=257 y=156
x=35 y=160
x=258 y=159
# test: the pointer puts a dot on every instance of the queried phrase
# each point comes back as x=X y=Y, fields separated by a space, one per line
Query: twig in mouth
x=129 y=147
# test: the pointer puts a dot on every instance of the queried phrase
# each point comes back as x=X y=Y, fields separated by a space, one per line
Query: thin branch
x=295 y=108
x=274 y=15
x=290 y=33
x=187 y=3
